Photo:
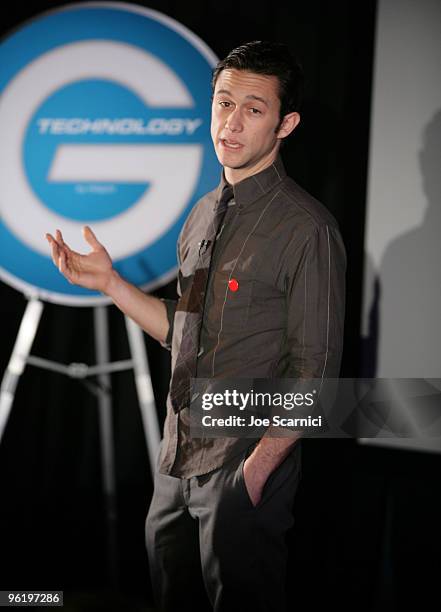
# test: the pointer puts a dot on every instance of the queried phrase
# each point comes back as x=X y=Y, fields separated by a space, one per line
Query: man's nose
x=234 y=121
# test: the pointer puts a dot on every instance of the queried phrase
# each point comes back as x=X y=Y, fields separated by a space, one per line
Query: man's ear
x=288 y=125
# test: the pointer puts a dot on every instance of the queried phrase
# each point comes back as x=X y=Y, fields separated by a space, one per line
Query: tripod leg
x=107 y=439
x=17 y=362
x=144 y=390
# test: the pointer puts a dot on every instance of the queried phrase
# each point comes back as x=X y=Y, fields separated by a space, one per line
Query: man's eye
x=255 y=111
x=224 y=103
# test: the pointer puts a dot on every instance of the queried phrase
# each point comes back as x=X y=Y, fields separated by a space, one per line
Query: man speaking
x=261 y=295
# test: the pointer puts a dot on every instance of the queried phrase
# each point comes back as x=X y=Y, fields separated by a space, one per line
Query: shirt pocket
x=190 y=263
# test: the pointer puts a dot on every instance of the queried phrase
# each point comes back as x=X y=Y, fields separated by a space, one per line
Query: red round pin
x=233 y=285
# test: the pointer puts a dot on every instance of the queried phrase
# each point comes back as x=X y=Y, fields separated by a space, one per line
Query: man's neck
x=236 y=175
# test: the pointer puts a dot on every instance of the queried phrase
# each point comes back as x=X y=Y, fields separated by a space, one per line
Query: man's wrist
x=112 y=285
x=259 y=466
x=269 y=453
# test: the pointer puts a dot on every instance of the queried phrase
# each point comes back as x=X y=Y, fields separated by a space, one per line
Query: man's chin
x=233 y=164
x=230 y=159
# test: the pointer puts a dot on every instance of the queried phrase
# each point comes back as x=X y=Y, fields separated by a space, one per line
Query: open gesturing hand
x=92 y=270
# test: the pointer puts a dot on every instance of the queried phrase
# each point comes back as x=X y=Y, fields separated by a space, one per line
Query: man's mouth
x=231 y=144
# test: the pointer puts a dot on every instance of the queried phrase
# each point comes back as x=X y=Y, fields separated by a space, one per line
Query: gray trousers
x=209 y=548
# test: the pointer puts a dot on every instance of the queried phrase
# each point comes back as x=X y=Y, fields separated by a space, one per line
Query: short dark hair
x=269 y=59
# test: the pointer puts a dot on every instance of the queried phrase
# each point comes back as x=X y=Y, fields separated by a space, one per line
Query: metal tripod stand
x=21 y=357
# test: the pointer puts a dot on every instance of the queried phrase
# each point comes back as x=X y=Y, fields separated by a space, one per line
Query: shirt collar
x=250 y=189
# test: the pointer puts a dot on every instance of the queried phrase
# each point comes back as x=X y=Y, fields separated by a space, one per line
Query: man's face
x=244 y=119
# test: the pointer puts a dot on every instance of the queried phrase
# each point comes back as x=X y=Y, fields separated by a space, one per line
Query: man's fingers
x=62 y=266
x=62 y=262
x=91 y=238
x=51 y=240
x=55 y=252
x=59 y=237
x=63 y=246
x=61 y=255
x=61 y=242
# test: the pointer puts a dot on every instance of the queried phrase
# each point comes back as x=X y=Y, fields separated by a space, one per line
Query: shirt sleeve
x=315 y=291
x=171 y=304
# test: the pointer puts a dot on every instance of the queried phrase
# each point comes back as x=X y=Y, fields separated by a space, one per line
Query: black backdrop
x=366 y=519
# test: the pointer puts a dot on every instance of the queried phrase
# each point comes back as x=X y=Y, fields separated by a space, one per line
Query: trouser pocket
x=288 y=470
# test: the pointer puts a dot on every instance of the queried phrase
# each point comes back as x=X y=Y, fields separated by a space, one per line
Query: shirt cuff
x=170 y=306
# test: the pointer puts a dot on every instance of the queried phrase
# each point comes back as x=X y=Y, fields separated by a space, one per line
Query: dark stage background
x=366 y=535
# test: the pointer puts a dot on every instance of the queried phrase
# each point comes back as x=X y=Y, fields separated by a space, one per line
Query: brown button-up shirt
x=285 y=320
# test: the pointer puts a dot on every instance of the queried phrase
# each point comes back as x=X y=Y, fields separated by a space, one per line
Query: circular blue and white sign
x=104 y=121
